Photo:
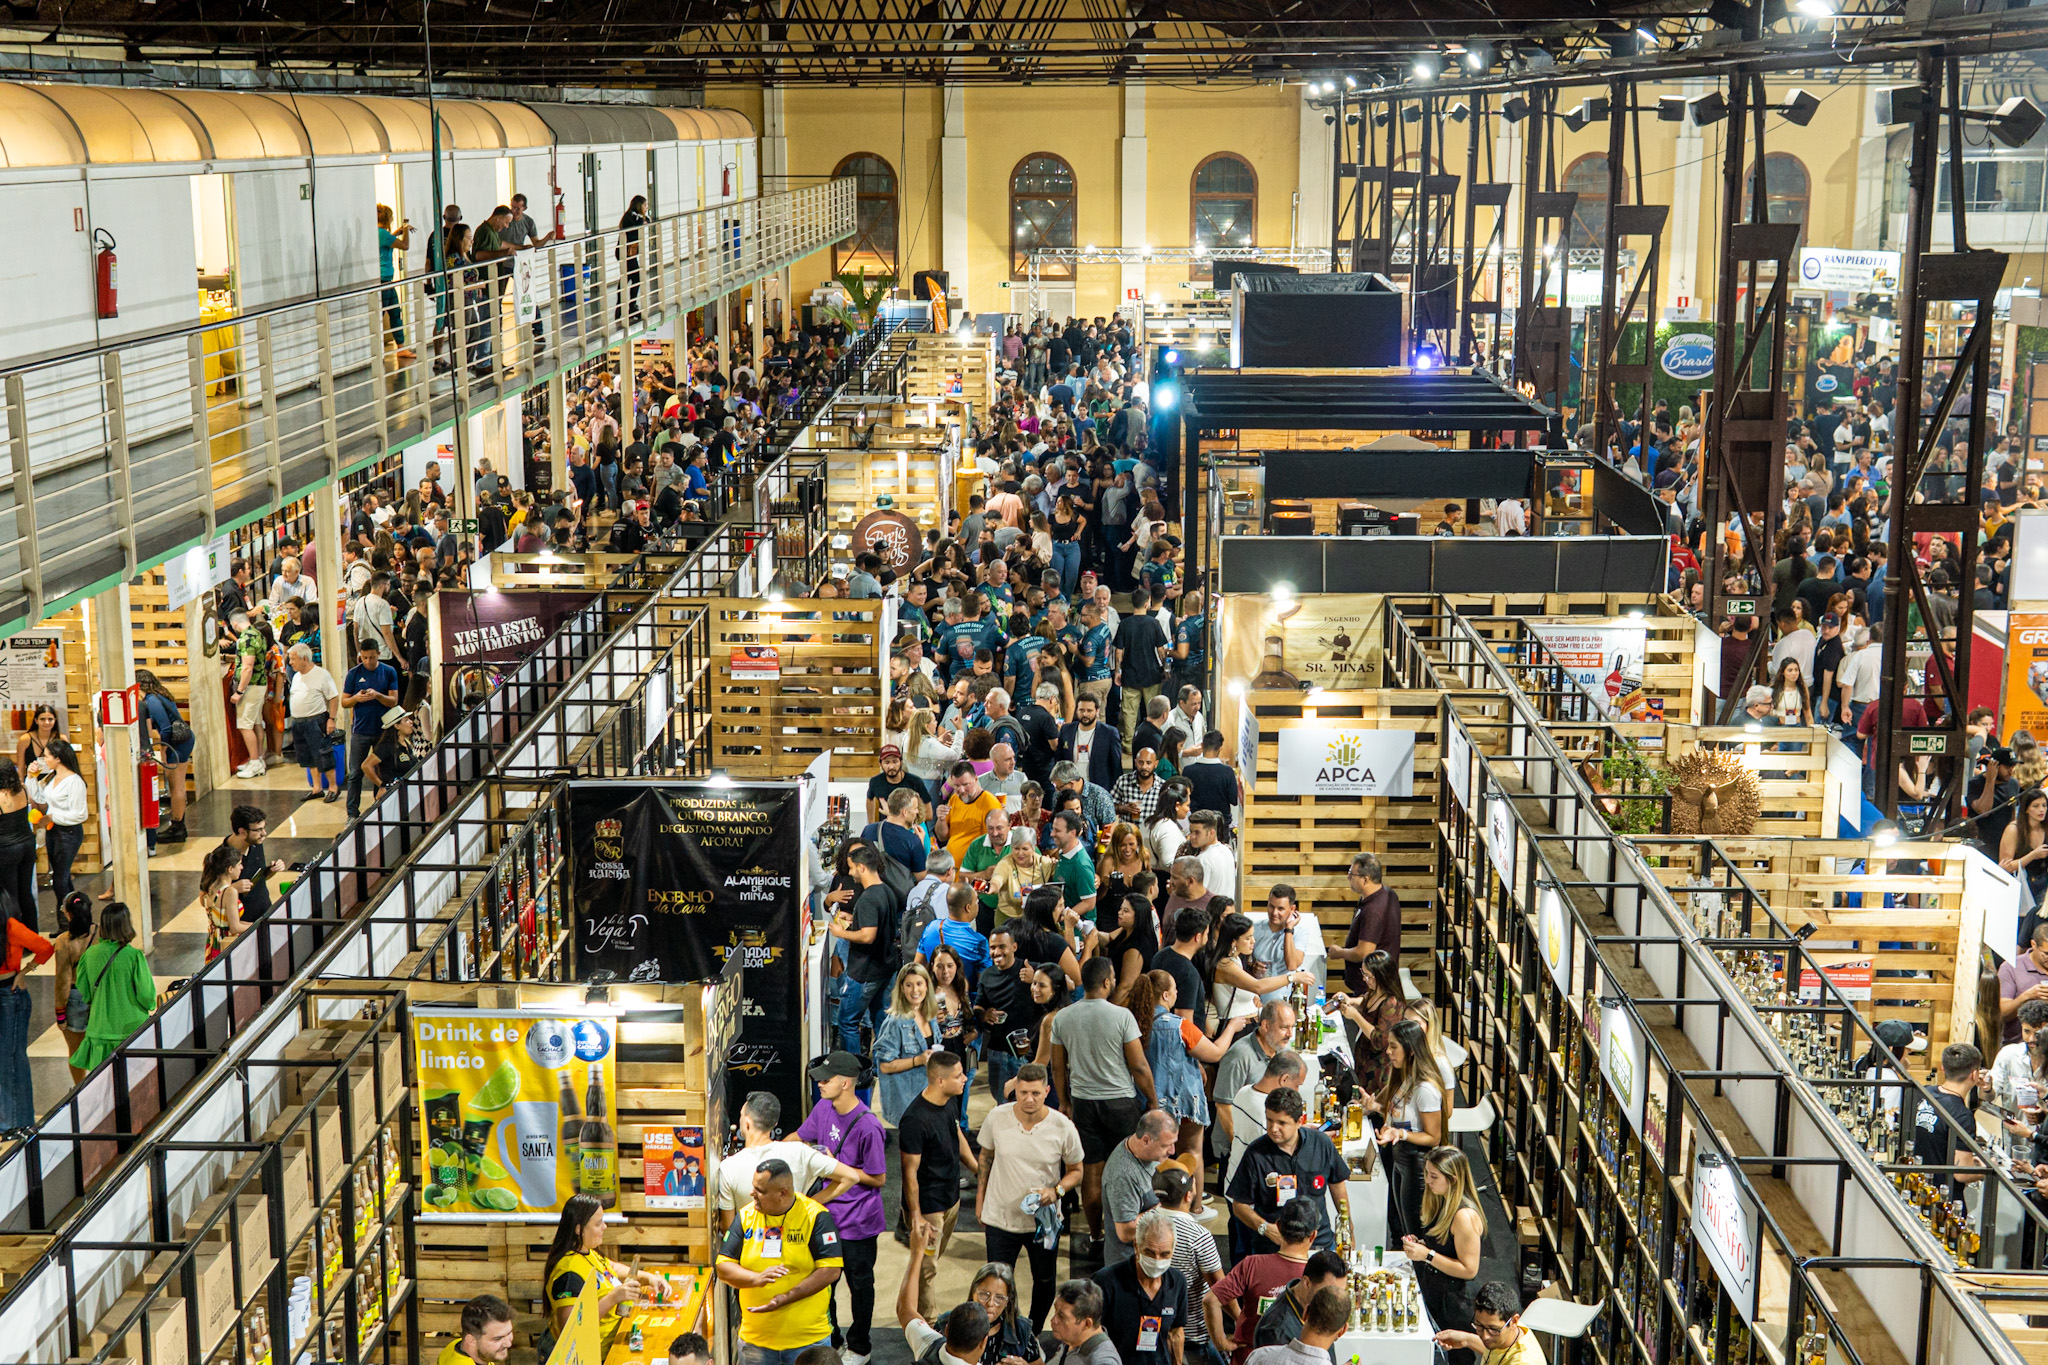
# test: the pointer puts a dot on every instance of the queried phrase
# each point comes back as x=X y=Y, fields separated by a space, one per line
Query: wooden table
x=662 y=1323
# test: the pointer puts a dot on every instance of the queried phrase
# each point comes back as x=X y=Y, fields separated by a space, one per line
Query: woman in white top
x=1233 y=990
x=1169 y=827
x=929 y=751
x=1410 y=1110
x=55 y=788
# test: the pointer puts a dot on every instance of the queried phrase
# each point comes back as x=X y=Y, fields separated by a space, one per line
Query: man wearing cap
x=887 y=782
x=387 y=758
x=1992 y=793
x=1897 y=1035
x=847 y=1131
x=629 y=532
x=1827 y=667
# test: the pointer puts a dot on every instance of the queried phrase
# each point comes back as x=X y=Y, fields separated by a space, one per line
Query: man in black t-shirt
x=1190 y=931
x=1291 y=1161
x=1140 y=646
x=1144 y=1299
x=1992 y=792
x=892 y=778
x=869 y=927
x=1009 y=1016
x=934 y=1151
x=1962 y=1067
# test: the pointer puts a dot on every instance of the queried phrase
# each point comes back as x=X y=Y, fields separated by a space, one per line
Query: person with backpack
x=926 y=903
x=114 y=991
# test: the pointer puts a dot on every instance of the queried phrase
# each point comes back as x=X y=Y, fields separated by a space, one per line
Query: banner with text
x=1346 y=761
x=673 y=879
x=2026 y=674
x=1605 y=661
x=1725 y=1222
x=502 y=627
x=519 y=1108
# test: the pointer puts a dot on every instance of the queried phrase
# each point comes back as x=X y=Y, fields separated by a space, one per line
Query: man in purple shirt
x=848 y=1131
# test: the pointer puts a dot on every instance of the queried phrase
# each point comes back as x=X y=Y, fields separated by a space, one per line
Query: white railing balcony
x=118 y=457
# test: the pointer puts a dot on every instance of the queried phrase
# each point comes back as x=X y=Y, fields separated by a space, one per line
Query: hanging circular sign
x=1688 y=357
x=891 y=537
x=1827 y=383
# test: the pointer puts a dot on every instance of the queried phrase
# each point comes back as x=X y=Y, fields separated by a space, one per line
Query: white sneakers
x=253 y=768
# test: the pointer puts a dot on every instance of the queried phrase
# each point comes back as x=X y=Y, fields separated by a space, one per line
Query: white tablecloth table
x=1389 y=1348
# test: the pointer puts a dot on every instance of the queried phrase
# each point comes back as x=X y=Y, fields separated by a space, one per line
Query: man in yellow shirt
x=783 y=1256
x=1498 y=1334
x=967 y=809
x=486 y=1333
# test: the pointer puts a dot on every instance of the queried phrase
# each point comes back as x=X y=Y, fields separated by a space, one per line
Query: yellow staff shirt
x=802 y=1240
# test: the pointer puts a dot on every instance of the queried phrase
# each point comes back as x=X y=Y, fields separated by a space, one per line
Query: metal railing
x=1871 y=1233
x=123 y=455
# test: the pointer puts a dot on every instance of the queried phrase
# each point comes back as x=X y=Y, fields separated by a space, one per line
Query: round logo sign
x=593 y=1040
x=891 y=537
x=1827 y=383
x=549 y=1042
x=1688 y=357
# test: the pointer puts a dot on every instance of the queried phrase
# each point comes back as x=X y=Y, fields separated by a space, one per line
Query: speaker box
x=1900 y=104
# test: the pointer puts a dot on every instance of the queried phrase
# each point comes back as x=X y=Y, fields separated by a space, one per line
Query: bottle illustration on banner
x=572 y=1124
x=597 y=1165
x=527 y=1140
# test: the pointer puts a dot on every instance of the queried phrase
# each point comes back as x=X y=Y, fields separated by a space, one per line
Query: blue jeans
x=763 y=1355
x=1002 y=1066
x=1066 y=557
x=860 y=1002
x=17 y=1090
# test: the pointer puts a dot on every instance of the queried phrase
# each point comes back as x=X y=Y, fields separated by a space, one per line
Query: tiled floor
x=297 y=831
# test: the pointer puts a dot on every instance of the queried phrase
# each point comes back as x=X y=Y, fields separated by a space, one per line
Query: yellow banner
x=2026 y=675
x=519 y=1110
x=580 y=1342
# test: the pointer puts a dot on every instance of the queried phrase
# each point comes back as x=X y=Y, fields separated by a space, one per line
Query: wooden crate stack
x=1799 y=879
x=830 y=696
x=952 y=366
x=1800 y=798
x=160 y=643
x=1308 y=841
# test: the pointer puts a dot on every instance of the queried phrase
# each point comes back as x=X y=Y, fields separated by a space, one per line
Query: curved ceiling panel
x=121 y=127
x=243 y=127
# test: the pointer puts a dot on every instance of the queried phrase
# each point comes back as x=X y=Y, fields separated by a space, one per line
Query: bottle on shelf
x=1813 y=1344
x=1354 y=1121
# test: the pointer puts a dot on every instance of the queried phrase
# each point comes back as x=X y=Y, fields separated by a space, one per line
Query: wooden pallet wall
x=831 y=696
x=1800 y=798
x=948 y=365
x=159 y=640
x=1308 y=841
x=1933 y=982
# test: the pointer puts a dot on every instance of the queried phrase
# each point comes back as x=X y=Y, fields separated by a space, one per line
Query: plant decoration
x=865 y=294
x=1625 y=772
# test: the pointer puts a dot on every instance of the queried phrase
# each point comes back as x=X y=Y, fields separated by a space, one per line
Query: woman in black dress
x=1446 y=1252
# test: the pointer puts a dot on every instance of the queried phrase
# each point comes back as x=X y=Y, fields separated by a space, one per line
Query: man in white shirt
x=1860 y=676
x=1187 y=716
x=315 y=706
x=1509 y=519
x=1288 y=940
x=1219 y=864
x=758 y=1119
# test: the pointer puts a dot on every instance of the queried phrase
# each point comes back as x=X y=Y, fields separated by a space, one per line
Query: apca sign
x=1319 y=762
x=1688 y=357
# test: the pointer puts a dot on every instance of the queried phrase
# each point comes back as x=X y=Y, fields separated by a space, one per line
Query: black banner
x=672 y=879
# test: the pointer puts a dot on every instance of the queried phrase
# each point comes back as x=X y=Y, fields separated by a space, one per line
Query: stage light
x=1479 y=55
x=2016 y=121
x=1164 y=397
x=1426 y=66
x=1711 y=107
x=1816 y=9
x=1514 y=109
x=1799 y=108
x=1171 y=357
x=1283 y=592
x=1351 y=82
x=1427 y=356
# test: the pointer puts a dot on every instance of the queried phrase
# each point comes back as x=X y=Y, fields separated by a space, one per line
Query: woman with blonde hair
x=1445 y=1251
x=929 y=752
x=905 y=1041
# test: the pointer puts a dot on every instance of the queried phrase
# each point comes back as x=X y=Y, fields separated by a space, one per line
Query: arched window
x=1787 y=189
x=872 y=248
x=1224 y=206
x=1587 y=178
x=1041 y=213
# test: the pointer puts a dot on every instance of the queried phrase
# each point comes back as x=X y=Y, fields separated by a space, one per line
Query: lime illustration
x=498 y=1201
x=491 y=1170
x=499 y=1091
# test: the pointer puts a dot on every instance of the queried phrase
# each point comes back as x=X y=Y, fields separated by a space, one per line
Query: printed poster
x=1625 y=1062
x=1851 y=972
x=34 y=672
x=2026 y=674
x=1605 y=661
x=520 y=1109
x=672 y=1167
x=673 y=879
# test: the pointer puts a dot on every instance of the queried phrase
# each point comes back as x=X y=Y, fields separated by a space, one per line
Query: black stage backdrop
x=672 y=879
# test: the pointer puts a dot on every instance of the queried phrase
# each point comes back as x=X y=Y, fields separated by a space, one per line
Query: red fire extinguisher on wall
x=146 y=784
x=105 y=290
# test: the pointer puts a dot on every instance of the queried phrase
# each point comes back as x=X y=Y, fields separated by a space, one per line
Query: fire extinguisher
x=146 y=783
x=104 y=289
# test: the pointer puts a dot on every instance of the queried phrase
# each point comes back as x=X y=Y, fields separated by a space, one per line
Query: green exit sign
x=1927 y=744
x=466 y=526
x=1742 y=606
